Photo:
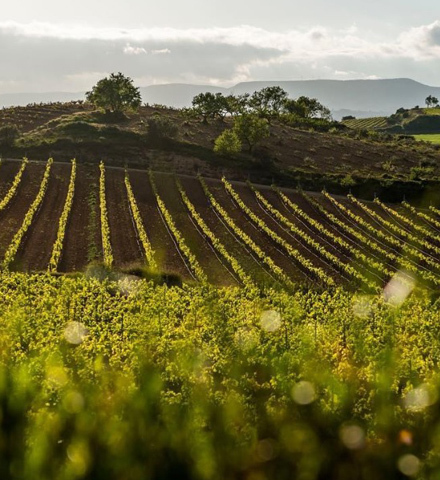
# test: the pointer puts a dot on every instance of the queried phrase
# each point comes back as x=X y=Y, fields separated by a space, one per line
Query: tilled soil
x=260 y=238
x=83 y=243
x=166 y=253
x=211 y=265
x=235 y=247
x=36 y=248
x=126 y=249
x=11 y=218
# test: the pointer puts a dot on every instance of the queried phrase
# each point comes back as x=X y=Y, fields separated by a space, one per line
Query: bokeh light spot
x=270 y=320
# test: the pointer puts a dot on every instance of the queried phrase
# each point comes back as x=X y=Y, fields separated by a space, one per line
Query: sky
x=50 y=45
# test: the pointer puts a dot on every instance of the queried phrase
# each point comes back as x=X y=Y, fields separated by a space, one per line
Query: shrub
x=160 y=128
x=227 y=143
x=8 y=135
x=348 y=181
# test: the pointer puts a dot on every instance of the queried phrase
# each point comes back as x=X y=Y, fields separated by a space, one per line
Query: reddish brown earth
x=250 y=263
x=8 y=170
x=126 y=249
x=36 y=247
x=194 y=238
x=82 y=242
x=249 y=198
x=166 y=253
x=272 y=250
x=12 y=217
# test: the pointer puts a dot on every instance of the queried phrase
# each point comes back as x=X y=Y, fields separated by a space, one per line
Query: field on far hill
x=64 y=218
x=432 y=138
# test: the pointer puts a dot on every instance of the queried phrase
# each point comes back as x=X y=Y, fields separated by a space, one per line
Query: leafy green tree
x=237 y=105
x=115 y=93
x=305 y=107
x=251 y=129
x=227 y=143
x=431 y=101
x=210 y=105
x=268 y=102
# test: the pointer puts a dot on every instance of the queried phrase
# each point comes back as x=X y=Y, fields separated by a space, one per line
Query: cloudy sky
x=53 y=45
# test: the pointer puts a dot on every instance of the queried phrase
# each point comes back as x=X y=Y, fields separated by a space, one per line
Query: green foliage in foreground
x=127 y=380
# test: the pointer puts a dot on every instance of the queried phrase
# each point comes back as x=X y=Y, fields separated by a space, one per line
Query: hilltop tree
x=115 y=93
x=306 y=107
x=268 y=102
x=431 y=101
x=210 y=105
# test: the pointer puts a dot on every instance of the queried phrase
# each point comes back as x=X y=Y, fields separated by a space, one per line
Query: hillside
x=206 y=230
x=336 y=160
x=361 y=98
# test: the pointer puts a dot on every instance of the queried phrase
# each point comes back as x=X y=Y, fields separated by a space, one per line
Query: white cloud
x=129 y=50
x=46 y=56
x=163 y=51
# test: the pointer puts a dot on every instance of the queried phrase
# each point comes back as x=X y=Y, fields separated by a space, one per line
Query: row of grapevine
x=142 y=234
x=434 y=210
x=105 y=228
x=420 y=214
x=13 y=188
x=396 y=242
x=322 y=251
x=194 y=264
x=337 y=239
x=16 y=241
x=215 y=242
x=420 y=229
x=245 y=238
x=401 y=260
x=393 y=227
x=317 y=272
x=58 y=245
x=366 y=123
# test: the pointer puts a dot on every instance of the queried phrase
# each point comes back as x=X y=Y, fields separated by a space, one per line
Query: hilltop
x=361 y=98
x=333 y=159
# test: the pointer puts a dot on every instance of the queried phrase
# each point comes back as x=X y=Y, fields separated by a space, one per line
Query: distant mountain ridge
x=344 y=97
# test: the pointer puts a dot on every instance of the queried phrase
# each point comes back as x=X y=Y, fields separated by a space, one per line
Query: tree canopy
x=431 y=101
x=115 y=93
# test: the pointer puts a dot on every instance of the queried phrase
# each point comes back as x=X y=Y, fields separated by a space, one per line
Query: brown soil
x=8 y=170
x=126 y=249
x=36 y=248
x=83 y=243
x=277 y=254
x=249 y=198
x=194 y=238
x=251 y=265
x=83 y=233
x=166 y=253
x=12 y=217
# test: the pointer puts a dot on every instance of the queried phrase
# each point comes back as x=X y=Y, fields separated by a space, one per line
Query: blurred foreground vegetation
x=127 y=380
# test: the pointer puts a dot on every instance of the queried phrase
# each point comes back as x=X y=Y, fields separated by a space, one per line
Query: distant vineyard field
x=61 y=218
x=372 y=123
x=432 y=138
